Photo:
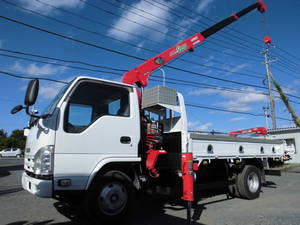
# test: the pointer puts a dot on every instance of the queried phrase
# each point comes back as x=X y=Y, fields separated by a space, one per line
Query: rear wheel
x=110 y=199
x=249 y=182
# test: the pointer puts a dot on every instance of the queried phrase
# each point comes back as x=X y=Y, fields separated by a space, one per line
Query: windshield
x=50 y=108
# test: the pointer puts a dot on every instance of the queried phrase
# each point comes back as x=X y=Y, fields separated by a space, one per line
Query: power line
x=132 y=34
x=288 y=53
x=128 y=43
x=184 y=82
x=128 y=55
x=117 y=52
x=230 y=111
x=128 y=6
x=217 y=43
x=52 y=80
x=179 y=13
x=133 y=21
x=103 y=67
x=62 y=60
x=30 y=78
x=224 y=31
x=190 y=105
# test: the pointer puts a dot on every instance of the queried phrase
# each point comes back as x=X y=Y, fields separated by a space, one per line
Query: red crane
x=256 y=130
x=141 y=73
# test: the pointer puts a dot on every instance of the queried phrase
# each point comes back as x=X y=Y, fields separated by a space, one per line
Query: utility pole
x=267 y=61
x=266 y=114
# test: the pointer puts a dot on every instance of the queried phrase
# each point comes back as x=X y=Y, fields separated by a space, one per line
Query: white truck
x=102 y=142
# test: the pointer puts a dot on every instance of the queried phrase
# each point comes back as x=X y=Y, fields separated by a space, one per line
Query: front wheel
x=249 y=182
x=110 y=199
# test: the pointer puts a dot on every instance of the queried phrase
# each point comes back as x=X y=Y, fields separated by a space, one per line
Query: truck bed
x=226 y=147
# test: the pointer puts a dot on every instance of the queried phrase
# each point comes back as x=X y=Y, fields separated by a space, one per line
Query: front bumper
x=41 y=188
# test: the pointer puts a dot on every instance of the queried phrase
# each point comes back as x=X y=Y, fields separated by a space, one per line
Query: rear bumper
x=41 y=188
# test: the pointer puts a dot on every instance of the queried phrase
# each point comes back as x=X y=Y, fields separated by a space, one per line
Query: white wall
x=290 y=135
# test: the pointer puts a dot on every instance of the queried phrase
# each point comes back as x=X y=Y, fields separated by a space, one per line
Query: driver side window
x=92 y=100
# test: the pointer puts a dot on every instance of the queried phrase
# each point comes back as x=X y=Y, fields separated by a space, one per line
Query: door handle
x=125 y=140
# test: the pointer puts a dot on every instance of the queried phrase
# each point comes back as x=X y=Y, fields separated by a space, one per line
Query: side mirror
x=16 y=109
x=31 y=92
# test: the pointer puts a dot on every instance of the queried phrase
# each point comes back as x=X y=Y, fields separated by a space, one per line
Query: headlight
x=43 y=160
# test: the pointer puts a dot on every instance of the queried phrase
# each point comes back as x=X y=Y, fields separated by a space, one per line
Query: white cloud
x=204 y=127
x=203 y=92
x=34 y=69
x=242 y=101
x=193 y=124
x=34 y=5
x=237 y=119
x=296 y=82
x=289 y=90
x=236 y=101
x=124 y=22
x=198 y=126
x=204 y=6
x=187 y=23
x=49 y=90
x=236 y=68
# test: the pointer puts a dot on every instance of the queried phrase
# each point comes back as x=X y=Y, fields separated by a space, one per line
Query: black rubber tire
x=92 y=203
x=243 y=184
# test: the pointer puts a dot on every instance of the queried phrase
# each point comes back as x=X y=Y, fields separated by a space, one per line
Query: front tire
x=110 y=199
x=249 y=182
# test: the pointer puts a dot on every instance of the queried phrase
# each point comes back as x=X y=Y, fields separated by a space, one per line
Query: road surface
x=279 y=204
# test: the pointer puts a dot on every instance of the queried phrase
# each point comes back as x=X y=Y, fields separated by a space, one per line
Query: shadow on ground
x=5 y=170
x=151 y=210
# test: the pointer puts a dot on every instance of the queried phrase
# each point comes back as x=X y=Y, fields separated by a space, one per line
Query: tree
x=15 y=140
x=18 y=139
x=3 y=134
x=3 y=137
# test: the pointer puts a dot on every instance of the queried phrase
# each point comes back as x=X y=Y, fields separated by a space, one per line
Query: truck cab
x=89 y=124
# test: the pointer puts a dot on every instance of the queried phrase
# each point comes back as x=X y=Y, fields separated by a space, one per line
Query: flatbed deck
x=217 y=146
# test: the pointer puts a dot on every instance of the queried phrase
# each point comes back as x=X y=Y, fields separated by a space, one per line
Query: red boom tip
x=267 y=40
x=262 y=6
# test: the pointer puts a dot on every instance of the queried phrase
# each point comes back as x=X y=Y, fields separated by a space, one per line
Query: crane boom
x=256 y=130
x=141 y=73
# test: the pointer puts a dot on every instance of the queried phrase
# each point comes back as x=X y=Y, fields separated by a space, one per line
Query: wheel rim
x=112 y=198
x=253 y=182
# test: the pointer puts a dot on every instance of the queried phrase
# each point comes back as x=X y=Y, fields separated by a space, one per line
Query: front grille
x=41 y=177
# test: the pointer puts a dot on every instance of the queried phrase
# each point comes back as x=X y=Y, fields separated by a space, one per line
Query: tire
x=0 y=156
x=249 y=182
x=110 y=199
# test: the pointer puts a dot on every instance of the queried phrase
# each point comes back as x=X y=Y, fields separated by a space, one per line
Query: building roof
x=284 y=130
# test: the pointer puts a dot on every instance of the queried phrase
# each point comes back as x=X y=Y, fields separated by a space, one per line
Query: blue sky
x=156 y=26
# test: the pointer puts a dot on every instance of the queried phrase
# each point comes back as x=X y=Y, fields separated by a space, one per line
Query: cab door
x=98 y=121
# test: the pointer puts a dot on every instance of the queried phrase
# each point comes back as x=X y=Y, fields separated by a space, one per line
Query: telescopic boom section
x=140 y=74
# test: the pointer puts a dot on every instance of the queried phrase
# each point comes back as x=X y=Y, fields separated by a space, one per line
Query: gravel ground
x=279 y=204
